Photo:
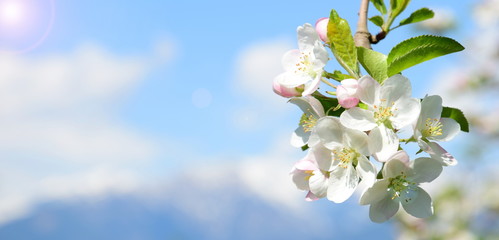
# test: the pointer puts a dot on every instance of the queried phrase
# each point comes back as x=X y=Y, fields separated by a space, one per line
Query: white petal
x=383 y=143
x=309 y=105
x=321 y=56
x=290 y=59
x=300 y=179
x=329 y=131
x=357 y=118
x=395 y=87
x=406 y=112
x=450 y=128
x=425 y=169
x=438 y=153
x=395 y=167
x=342 y=183
x=318 y=184
x=357 y=140
x=366 y=170
x=322 y=157
x=421 y=206
x=431 y=107
x=299 y=137
x=375 y=193
x=368 y=90
x=383 y=210
x=307 y=37
x=313 y=85
x=292 y=79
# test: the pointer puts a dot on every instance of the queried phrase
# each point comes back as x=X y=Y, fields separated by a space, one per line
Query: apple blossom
x=400 y=185
x=286 y=92
x=304 y=66
x=430 y=127
x=308 y=175
x=389 y=107
x=312 y=111
x=348 y=149
x=321 y=28
x=347 y=93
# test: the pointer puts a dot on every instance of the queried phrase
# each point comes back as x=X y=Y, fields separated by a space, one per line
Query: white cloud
x=60 y=133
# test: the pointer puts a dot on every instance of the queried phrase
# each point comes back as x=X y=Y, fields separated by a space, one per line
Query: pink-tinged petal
x=395 y=87
x=425 y=170
x=406 y=112
x=450 y=128
x=347 y=95
x=307 y=163
x=438 y=153
x=318 y=184
x=383 y=143
x=285 y=91
x=421 y=206
x=358 y=118
x=321 y=28
x=342 y=183
x=368 y=90
x=383 y=210
x=395 y=167
x=311 y=197
x=376 y=193
x=348 y=102
x=366 y=170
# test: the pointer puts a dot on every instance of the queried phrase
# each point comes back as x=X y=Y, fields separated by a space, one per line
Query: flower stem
x=328 y=83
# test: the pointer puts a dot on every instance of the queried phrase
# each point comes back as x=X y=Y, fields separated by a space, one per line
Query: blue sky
x=123 y=96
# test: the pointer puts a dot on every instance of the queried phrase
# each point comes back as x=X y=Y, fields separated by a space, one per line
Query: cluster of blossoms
x=344 y=141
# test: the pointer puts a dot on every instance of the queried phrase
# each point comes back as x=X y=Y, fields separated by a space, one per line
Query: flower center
x=402 y=189
x=433 y=128
x=346 y=156
x=308 y=122
x=382 y=113
x=305 y=65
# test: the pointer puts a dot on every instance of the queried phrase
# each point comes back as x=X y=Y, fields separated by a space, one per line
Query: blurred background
x=156 y=120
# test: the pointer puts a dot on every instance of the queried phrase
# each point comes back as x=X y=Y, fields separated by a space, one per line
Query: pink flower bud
x=321 y=28
x=286 y=92
x=347 y=93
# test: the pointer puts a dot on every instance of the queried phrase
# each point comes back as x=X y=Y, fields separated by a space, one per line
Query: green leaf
x=342 y=44
x=380 y=5
x=377 y=20
x=418 y=16
x=304 y=147
x=419 y=49
x=374 y=63
x=329 y=104
x=397 y=7
x=458 y=115
x=336 y=75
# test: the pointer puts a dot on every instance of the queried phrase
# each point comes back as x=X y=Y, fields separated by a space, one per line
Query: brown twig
x=362 y=36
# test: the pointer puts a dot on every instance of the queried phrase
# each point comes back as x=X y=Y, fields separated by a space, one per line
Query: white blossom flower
x=389 y=108
x=347 y=93
x=400 y=185
x=430 y=127
x=307 y=175
x=304 y=66
x=312 y=111
x=347 y=148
